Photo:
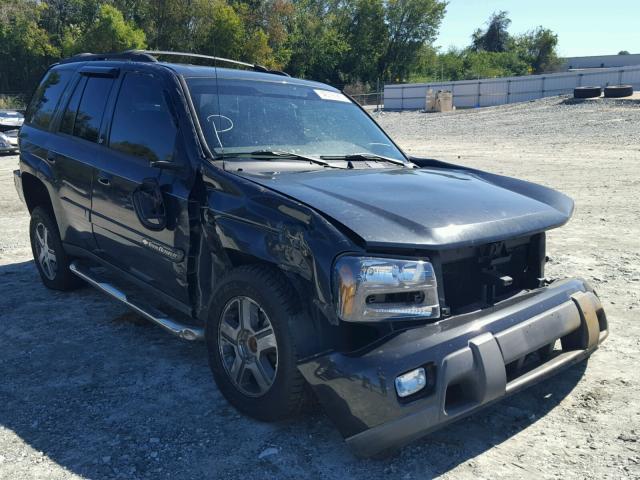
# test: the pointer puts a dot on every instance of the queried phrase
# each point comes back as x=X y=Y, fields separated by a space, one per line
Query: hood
x=425 y=208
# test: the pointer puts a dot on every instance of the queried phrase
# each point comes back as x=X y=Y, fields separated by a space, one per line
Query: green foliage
x=411 y=24
x=468 y=64
x=25 y=48
x=538 y=49
x=12 y=102
x=623 y=52
x=495 y=53
x=366 y=32
x=343 y=42
x=496 y=37
x=109 y=33
x=316 y=42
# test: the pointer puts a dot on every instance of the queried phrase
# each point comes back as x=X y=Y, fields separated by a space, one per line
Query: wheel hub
x=247 y=344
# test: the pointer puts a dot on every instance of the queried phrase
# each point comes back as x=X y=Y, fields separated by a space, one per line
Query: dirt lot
x=89 y=391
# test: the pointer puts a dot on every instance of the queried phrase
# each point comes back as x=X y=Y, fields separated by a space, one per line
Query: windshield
x=252 y=116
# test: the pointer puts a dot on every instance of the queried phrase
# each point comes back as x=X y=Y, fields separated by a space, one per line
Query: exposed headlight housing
x=370 y=289
x=411 y=382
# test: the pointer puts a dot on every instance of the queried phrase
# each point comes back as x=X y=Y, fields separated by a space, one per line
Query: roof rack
x=131 y=55
x=150 y=56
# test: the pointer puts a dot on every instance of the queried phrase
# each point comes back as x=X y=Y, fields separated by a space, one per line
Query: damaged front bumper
x=471 y=361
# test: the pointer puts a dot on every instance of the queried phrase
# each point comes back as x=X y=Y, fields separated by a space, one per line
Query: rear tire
x=618 y=91
x=252 y=351
x=51 y=260
x=587 y=92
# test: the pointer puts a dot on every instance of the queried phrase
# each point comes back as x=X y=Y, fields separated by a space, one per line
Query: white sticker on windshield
x=334 y=96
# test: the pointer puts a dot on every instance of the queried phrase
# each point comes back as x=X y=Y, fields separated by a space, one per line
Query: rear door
x=140 y=213
x=77 y=148
x=37 y=139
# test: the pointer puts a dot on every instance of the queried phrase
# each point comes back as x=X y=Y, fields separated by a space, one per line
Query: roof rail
x=253 y=66
x=131 y=55
x=150 y=56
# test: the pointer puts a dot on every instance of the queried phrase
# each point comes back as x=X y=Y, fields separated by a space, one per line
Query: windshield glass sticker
x=334 y=96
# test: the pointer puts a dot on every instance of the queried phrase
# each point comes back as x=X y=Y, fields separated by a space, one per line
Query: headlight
x=371 y=289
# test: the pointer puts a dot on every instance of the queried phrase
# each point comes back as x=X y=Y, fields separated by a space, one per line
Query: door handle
x=149 y=206
x=104 y=179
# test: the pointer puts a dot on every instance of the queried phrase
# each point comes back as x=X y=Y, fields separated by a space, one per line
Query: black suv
x=272 y=218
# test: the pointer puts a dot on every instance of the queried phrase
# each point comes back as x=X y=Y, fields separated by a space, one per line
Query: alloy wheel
x=248 y=346
x=46 y=255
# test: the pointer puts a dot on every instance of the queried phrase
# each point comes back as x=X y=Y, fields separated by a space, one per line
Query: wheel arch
x=35 y=193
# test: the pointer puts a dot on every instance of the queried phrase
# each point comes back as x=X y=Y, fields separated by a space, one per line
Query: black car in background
x=272 y=218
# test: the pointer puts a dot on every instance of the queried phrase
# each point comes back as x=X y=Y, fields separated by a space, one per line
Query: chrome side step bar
x=186 y=332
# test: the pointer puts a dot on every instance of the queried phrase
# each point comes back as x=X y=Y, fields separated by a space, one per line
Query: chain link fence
x=373 y=100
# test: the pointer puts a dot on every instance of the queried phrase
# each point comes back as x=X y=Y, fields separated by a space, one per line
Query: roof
x=190 y=71
x=149 y=57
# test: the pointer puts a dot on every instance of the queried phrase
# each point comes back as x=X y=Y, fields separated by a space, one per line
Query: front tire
x=51 y=260
x=252 y=351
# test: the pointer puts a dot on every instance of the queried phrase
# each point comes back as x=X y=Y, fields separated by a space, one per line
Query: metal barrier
x=499 y=91
x=370 y=99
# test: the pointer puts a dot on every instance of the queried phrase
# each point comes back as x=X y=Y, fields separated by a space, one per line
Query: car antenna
x=215 y=129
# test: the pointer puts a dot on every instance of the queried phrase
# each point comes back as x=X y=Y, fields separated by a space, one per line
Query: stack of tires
x=612 y=91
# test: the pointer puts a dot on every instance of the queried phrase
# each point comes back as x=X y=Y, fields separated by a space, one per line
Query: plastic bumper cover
x=468 y=355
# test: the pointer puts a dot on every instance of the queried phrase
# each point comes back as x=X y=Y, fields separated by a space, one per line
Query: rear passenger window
x=69 y=117
x=142 y=122
x=91 y=108
x=44 y=101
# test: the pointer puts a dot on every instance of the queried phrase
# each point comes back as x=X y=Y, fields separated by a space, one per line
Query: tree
x=316 y=42
x=411 y=24
x=623 y=52
x=25 y=48
x=110 y=33
x=363 y=24
x=496 y=37
x=538 y=48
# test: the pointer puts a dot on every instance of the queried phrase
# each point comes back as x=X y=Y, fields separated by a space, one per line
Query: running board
x=186 y=332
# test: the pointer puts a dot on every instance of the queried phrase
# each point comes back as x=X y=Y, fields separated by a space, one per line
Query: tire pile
x=612 y=91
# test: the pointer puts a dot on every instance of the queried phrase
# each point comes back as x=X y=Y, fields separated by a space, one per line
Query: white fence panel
x=498 y=91
x=603 y=79
x=558 y=85
x=631 y=77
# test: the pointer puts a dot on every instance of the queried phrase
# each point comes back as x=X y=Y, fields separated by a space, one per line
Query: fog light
x=411 y=382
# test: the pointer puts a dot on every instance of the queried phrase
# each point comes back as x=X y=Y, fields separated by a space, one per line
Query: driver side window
x=143 y=125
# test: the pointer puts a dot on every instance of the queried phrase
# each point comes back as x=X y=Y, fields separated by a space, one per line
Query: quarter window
x=143 y=125
x=45 y=99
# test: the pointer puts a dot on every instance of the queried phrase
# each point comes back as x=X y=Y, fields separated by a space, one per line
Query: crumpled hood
x=428 y=208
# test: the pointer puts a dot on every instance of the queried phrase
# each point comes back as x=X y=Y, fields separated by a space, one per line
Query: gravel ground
x=90 y=391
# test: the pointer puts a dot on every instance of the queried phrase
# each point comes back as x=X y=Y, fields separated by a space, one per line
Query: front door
x=140 y=213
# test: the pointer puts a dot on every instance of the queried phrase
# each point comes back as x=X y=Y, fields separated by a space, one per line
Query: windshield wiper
x=362 y=157
x=270 y=154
